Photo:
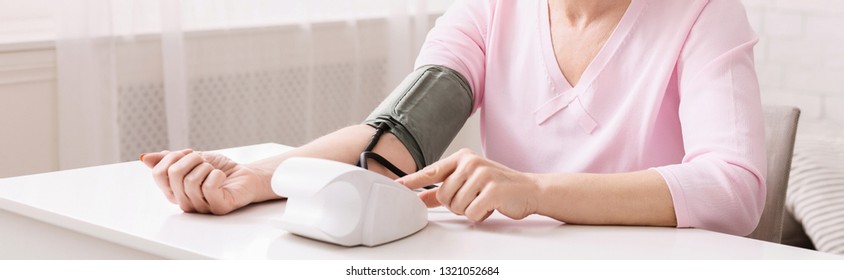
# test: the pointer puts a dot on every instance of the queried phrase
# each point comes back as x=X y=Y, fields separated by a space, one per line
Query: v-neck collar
x=599 y=61
x=564 y=92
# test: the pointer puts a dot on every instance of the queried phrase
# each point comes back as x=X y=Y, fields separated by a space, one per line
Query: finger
x=451 y=186
x=193 y=186
x=176 y=175
x=213 y=192
x=151 y=159
x=159 y=173
x=432 y=174
x=470 y=190
x=488 y=213
x=429 y=197
x=219 y=162
x=480 y=208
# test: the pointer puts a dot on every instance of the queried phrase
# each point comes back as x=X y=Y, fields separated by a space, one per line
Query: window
x=27 y=21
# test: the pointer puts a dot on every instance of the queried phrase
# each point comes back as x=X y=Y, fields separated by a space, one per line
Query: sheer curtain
x=141 y=75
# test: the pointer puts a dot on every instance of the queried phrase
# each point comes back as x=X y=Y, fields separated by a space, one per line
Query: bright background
x=86 y=82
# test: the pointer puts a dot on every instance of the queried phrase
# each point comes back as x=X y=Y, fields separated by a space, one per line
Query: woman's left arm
x=720 y=183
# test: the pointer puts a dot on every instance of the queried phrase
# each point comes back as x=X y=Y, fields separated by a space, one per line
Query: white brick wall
x=800 y=55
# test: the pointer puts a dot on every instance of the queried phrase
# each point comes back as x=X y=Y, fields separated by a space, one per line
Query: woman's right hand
x=204 y=182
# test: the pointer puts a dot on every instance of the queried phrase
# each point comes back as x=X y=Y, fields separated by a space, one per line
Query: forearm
x=636 y=198
x=344 y=145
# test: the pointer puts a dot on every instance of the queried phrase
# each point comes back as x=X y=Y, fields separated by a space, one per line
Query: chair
x=780 y=131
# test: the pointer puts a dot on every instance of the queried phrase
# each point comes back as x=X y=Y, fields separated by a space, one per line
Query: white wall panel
x=800 y=55
x=27 y=113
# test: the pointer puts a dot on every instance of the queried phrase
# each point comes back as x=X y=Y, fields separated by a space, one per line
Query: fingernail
x=141 y=158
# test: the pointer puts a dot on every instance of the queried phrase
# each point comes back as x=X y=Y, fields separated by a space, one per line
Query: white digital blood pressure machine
x=344 y=204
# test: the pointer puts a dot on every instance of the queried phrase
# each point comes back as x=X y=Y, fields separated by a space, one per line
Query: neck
x=581 y=13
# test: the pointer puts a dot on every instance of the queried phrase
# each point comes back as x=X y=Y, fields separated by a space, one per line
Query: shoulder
x=701 y=12
x=722 y=23
x=475 y=6
x=480 y=16
x=727 y=14
x=488 y=9
x=476 y=12
x=675 y=5
x=725 y=6
x=712 y=23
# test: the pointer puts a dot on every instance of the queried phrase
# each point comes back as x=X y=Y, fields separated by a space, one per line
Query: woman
x=642 y=112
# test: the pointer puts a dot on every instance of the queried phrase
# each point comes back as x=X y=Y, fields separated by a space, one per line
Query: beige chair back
x=780 y=130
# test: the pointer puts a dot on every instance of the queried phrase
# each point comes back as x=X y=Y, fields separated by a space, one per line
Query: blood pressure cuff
x=426 y=111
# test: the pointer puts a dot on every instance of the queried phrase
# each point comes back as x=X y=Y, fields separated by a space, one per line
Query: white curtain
x=141 y=75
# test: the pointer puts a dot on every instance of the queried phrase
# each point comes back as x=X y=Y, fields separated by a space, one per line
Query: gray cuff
x=426 y=111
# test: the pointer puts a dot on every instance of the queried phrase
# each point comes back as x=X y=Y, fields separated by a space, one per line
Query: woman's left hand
x=475 y=186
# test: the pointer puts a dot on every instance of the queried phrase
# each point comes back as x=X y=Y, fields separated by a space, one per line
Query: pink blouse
x=673 y=89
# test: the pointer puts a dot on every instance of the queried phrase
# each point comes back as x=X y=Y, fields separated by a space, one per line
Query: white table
x=116 y=211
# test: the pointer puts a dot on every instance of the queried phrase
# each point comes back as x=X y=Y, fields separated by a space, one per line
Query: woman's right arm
x=211 y=183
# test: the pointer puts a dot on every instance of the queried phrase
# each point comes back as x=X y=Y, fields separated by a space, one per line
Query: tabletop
x=120 y=203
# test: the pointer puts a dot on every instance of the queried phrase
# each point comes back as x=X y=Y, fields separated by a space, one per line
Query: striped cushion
x=816 y=187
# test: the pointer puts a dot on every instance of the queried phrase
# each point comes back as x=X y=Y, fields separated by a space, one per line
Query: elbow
x=742 y=196
x=753 y=205
x=718 y=195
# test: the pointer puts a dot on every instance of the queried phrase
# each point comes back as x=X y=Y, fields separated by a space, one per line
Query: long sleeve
x=720 y=184
x=696 y=57
x=457 y=41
